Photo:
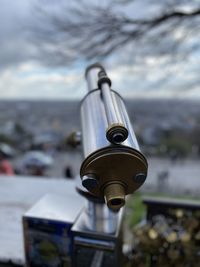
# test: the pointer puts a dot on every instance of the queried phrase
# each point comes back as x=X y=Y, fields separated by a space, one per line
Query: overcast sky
x=24 y=75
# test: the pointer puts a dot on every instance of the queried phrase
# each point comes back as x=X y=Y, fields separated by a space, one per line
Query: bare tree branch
x=91 y=31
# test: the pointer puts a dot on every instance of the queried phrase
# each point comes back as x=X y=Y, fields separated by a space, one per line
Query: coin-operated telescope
x=113 y=165
x=90 y=235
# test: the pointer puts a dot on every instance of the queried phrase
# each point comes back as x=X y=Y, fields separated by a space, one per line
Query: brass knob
x=114 y=194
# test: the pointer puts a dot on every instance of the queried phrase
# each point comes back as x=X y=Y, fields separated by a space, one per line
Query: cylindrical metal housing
x=118 y=168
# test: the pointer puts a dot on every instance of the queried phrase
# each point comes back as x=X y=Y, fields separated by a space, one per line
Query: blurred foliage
x=6 y=139
x=137 y=209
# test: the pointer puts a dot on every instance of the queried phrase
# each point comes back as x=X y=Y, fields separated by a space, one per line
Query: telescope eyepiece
x=116 y=133
x=117 y=138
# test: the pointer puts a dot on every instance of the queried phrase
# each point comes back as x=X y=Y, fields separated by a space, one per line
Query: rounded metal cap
x=89 y=182
x=140 y=178
x=93 y=66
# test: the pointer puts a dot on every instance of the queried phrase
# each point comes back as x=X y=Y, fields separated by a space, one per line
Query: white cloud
x=150 y=80
x=33 y=81
x=22 y=76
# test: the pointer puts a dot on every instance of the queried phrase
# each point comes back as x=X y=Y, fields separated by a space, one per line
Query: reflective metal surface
x=91 y=75
x=97 y=242
x=94 y=123
x=114 y=163
x=99 y=218
x=97 y=78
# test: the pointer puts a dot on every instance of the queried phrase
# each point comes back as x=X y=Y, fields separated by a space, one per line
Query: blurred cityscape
x=151 y=51
x=166 y=129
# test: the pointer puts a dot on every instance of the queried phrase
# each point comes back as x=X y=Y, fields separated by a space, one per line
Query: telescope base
x=96 y=249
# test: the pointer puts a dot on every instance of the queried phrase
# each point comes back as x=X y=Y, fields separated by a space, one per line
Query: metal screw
x=89 y=182
x=140 y=178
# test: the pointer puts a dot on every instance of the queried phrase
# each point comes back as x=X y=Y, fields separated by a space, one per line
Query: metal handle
x=116 y=131
x=96 y=77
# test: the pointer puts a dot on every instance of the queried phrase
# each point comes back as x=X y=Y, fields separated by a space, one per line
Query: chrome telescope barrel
x=99 y=218
x=113 y=165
